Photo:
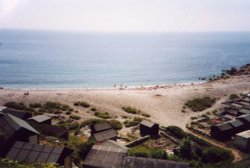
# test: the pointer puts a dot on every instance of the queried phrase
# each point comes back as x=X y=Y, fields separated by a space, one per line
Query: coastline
x=164 y=104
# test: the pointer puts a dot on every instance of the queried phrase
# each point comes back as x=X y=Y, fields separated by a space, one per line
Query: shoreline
x=139 y=87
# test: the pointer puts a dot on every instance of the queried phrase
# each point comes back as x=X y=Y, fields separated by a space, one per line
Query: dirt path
x=238 y=155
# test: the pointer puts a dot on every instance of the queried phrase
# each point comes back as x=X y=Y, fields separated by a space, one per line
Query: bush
x=200 y=104
x=84 y=148
x=52 y=107
x=145 y=115
x=35 y=105
x=233 y=96
x=75 y=117
x=91 y=121
x=130 y=123
x=175 y=131
x=117 y=125
x=82 y=103
x=131 y=110
x=93 y=109
x=103 y=115
x=18 y=106
x=215 y=155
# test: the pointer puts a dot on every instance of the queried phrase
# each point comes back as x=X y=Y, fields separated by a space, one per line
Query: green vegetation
x=6 y=163
x=234 y=96
x=82 y=104
x=117 y=125
x=103 y=115
x=131 y=123
x=131 y=110
x=35 y=105
x=200 y=104
x=93 y=109
x=143 y=151
x=75 y=117
x=91 y=121
x=18 y=106
x=70 y=125
x=215 y=155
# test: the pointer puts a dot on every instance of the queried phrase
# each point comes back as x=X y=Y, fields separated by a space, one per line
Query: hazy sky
x=126 y=15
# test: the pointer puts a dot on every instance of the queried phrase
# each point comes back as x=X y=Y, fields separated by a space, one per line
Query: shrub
x=91 y=121
x=103 y=115
x=215 y=155
x=6 y=163
x=145 y=115
x=200 y=104
x=233 y=96
x=82 y=103
x=130 y=123
x=84 y=148
x=131 y=110
x=117 y=125
x=175 y=131
x=75 y=117
x=68 y=113
x=93 y=109
x=35 y=105
x=18 y=106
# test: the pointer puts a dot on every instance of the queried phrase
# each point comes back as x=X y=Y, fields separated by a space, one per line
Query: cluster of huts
x=237 y=123
x=20 y=135
x=107 y=153
x=20 y=141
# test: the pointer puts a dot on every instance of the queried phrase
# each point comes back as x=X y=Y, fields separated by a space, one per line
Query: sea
x=49 y=59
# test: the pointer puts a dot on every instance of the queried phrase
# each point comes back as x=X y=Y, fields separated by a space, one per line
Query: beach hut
x=222 y=131
x=149 y=128
x=242 y=141
x=17 y=113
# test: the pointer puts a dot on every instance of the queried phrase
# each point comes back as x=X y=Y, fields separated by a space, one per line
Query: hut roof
x=138 y=162
x=236 y=123
x=105 y=135
x=40 y=118
x=147 y=123
x=17 y=123
x=33 y=153
x=105 y=155
x=17 y=113
x=224 y=126
x=101 y=126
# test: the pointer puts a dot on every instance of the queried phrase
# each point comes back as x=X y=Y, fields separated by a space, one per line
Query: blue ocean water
x=40 y=59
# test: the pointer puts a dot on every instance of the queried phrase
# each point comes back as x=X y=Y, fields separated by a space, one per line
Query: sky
x=126 y=15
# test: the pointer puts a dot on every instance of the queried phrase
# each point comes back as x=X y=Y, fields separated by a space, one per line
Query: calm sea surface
x=33 y=59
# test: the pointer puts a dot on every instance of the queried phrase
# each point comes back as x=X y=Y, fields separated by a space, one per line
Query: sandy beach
x=164 y=103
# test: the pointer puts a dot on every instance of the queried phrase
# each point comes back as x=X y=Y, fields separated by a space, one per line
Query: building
x=56 y=131
x=99 y=127
x=242 y=141
x=41 y=119
x=105 y=135
x=106 y=155
x=222 y=131
x=16 y=129
x=148 y=128
x=238 y=125
x=34 y=153
x=17 y=113
x=142 y=162
x=245 y=119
